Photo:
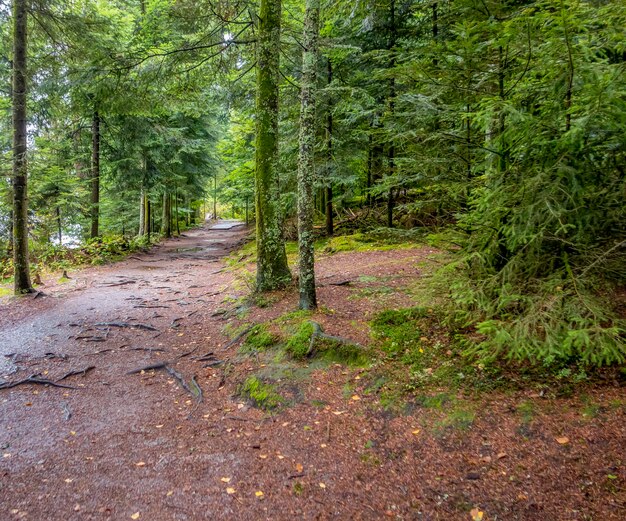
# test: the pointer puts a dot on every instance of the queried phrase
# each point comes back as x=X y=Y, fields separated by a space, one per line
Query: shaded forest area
x=494 y=129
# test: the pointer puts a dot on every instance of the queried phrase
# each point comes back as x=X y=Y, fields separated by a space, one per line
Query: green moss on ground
x=298 y=344
x=260 y=338
x=261 y=394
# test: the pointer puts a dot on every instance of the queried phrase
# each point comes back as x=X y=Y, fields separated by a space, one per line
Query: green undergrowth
x=259 y=339
x=284 y=362
x=261 y=394
x=421 y=352
x=45 y=258
x=382 y=239
x=378 y=240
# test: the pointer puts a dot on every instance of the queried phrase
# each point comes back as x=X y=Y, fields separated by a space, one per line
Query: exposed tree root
x=82 y=372
x=120 y=325
x=192 y=387
x=239 y=337
x=318 y=334
x=33 y=379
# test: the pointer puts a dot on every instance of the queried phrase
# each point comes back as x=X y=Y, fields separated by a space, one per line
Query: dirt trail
x=139 y=446
x=71 y=454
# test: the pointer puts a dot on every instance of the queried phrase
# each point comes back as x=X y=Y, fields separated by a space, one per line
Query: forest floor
x=120 y=446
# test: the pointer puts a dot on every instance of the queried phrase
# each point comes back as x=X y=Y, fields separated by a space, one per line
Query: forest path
x=149 y=307
x=121 y=446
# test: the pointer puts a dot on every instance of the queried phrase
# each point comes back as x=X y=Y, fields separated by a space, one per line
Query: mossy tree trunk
x=22 y=282
x=329 y=157
x=272 y=269
x=95 y=174
x=306 y=160
x=391 y=152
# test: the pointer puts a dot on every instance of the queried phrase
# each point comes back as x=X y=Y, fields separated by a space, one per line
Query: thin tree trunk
x=391 y=152
x=215 y=197
x=95 y=174
x=329 y=159
x=176 y=211
x=22 y=283
x=370 y=157
x=166 y=221
x=142 y=214
x=306 y=160
x=272 y=269
x=59 y=226
x=151 y=218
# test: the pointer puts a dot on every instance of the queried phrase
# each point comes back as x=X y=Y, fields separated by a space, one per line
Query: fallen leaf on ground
x=259 y=494
x=356 y=397
x=476 y=514
x=299 y=467
x=135 y=515
x=230 y=490
x=563 y=440
x=170 y=493
x=140 y=464
x=225 y=480
x=322 y=485
x=416 y=432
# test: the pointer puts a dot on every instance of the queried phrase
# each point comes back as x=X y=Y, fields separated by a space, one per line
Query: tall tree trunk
x=10 y=242
x=95 y=174
x=147 y=226
x=176 y=211
x=166 y=221
x=151 y=227
x=329 y=158
x=59 y=225
x=306 y=160
x=368 y=181
x=215 y=197
x=272 y=269
x=142 y=213
x=22 y=282
x=391 y=152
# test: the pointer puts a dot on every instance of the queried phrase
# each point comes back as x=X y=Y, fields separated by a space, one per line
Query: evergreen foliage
x=502 y=121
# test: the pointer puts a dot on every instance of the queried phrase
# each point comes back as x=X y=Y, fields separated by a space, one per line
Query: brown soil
x=139 y=446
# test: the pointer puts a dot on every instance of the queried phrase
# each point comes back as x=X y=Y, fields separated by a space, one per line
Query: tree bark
x=22 y=283
x=391 y=152
x=59 y=225
x=176 y=211
x=329 y=158
x=306 y=160
x=214 y=197
x=142 y=214
x=166 y=221
x=95 y=175
x=272 y=269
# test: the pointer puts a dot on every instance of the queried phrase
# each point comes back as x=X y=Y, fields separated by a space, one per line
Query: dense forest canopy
x=496 y=126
